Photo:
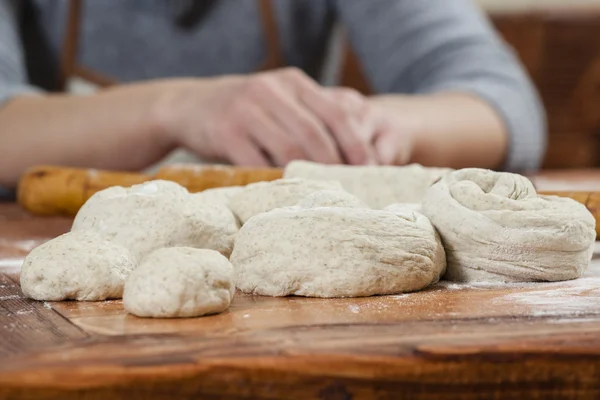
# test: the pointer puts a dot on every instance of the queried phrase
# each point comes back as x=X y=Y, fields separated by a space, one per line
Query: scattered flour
x=355 y=309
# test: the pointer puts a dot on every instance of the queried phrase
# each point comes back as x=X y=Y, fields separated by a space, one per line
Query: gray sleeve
x=426 y=46
x=13 y=76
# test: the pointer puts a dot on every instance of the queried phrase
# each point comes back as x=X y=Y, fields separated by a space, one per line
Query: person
x=447 y=91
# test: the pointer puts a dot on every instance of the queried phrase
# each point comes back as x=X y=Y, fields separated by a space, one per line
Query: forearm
x=450 y=130
x=113 y=129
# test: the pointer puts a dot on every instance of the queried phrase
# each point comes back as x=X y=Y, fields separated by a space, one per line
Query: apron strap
x=351 y=71
x=351 y=74
x=275 y=57
x=69 y=67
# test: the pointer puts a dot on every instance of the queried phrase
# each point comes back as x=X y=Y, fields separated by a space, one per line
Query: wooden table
x=451 y=341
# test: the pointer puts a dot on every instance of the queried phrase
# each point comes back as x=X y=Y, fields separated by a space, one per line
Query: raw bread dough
x=261 y=197
x=496 y=228
x=377 y=186
x=157 y=214
x=180 y=282
x=76 y=266
x=401 y=207
x=336 y=252
x=331 y=198
x=222 y=195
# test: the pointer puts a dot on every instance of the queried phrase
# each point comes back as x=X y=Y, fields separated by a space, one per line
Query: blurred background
x=558 y=41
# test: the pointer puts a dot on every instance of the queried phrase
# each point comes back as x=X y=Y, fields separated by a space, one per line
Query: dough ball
x=496 y=228
x=207 y=225
x=180 y=282
x=222 y=195
x=331 y=198
x=376 y=186
x=261 y=197
x=76 y=266
x=336 y=252
x=157 y=214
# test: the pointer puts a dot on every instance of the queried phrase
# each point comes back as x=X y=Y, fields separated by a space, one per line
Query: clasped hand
x=274 y=117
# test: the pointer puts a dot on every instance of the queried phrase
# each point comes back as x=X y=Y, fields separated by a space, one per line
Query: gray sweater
x=405 y=46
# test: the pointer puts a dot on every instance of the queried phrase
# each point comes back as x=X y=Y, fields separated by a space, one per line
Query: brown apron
x=351 y=74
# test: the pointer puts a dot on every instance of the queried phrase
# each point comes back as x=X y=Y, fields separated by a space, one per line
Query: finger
x=282 y=147
x=362 y=112
x=242 y=150
x=392 y=148
x=350 y=134
x=303 y=125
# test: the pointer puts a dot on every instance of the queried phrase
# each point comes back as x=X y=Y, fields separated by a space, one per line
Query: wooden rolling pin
x=47 y=190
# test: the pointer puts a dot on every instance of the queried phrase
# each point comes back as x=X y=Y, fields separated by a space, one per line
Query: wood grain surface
x=537 y=340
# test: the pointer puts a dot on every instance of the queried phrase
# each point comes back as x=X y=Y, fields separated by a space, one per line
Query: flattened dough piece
x=376 y=186
x=496 y=228
x=336 y=252
x=76 y=266
x=261 y=197
x=180 y=282
x=157 y=214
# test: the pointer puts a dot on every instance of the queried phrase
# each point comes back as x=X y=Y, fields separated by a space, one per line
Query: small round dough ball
x=180 y=282
x=76 y=266
x=157 y=214
x=495 y=227
x=261 y=197
x=331 y=198
x=336 y=252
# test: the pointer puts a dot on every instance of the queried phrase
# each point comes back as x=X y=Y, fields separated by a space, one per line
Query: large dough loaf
x=157 y=214
x=377 y=186
x=261 y=197
x=336 y=252
x=496 y=228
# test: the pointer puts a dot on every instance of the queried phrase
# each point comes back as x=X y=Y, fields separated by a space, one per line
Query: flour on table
x=180 y=282
x=157 y=214
x=336 y=252
x=76 y=266
x=376 y=186
x=261 y=197
x=496 y=228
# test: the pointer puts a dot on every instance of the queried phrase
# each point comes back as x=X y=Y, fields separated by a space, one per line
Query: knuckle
x=350 y=98
x=293 y=73
x=349 y=93
x=258 y=85
x=340 y=117
x=308 y=130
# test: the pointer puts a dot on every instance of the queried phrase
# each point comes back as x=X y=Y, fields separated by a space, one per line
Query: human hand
x=395 y=129
x=272 y=118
